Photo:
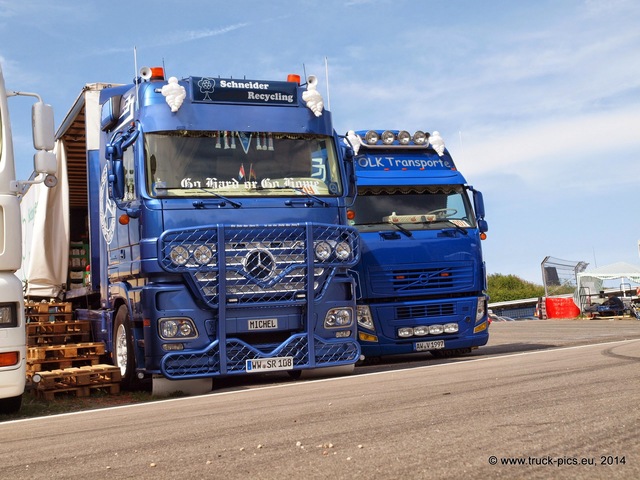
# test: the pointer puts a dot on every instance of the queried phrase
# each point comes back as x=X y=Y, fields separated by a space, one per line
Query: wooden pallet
x=53 y=311
x=48 y=365
x=84 y=391
x=76 y=377
x=59 y=332
x=60 y=352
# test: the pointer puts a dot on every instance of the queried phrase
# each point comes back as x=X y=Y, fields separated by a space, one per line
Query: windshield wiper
x=296 y=189
x=200 y=203
x=217 y=195
x=408 y=233
x=402 y=229
x=453 y=224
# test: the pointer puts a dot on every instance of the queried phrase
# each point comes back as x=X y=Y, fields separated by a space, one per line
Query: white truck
x=12 y=316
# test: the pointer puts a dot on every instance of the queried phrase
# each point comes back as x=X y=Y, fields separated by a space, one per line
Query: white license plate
x=432 y=345
x=256 y=365
x=263 y=324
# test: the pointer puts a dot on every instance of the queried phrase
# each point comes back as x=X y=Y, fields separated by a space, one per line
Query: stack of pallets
x=60 y=356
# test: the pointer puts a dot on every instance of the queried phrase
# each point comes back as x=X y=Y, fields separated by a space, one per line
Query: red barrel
x=561 y=307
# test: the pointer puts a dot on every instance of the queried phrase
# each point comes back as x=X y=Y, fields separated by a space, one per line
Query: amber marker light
x=351 y=214
x=124 y=219
x=293 y=78
x=483 y=236
x=8 y=359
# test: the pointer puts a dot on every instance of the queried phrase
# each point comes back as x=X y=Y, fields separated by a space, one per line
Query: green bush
x=502 y=288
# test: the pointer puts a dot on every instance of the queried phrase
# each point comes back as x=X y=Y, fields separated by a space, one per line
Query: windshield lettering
x=196 y=163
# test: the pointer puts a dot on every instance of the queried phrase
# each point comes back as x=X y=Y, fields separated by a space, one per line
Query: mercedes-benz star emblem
x=259 y=264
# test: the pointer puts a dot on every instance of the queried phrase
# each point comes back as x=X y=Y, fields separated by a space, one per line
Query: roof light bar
x=375 y=139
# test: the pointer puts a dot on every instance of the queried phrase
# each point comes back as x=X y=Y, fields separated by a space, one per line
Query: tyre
x=122 y=348
x=11 y=404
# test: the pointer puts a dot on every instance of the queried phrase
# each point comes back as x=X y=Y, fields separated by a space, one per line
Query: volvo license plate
x=256 y=365
x=432 y=345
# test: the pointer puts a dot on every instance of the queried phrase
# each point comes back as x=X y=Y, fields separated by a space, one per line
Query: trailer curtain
x=47 y=251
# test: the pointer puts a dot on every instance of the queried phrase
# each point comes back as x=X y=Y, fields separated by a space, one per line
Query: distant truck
x=422 y=277
x=207 y=231
x=13 y=356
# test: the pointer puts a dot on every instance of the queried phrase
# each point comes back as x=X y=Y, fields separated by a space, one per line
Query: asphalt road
x=553 y=399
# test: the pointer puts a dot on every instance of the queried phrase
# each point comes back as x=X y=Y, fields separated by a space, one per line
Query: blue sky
x=538 y=102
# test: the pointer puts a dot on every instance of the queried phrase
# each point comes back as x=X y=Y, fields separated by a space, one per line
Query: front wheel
x=122 y=351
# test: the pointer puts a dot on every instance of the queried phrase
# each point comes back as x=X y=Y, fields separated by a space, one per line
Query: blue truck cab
x=421 y=277
x=216 y=225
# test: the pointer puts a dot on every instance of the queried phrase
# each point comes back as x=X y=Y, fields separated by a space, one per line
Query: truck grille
x=430 y=279
x=272 y=263
x=425 y=311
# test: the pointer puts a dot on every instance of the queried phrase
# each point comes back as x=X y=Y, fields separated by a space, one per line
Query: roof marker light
x=293 y=78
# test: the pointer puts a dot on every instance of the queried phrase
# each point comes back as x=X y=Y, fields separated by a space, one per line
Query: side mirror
x=483 y=226
x=349 y=168
x=114 y=153
x=116 y=179
x=45 y=162
x=43 y=127
x=478 y=202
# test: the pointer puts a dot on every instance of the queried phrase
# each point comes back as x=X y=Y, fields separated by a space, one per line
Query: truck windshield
x=199 y=163
x=413 y=208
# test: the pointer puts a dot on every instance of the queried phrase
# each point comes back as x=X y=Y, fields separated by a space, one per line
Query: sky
x=538 y=102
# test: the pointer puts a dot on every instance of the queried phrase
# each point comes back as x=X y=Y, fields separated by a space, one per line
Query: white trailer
x=12 y=316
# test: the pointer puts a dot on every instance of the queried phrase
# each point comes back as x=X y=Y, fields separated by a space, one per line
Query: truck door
x=124 y=250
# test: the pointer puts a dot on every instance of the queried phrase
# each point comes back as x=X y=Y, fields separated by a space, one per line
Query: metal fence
x=560 y=276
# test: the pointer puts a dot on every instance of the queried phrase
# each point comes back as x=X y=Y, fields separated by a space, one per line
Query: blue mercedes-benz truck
x=421 y=277
x=208 y=221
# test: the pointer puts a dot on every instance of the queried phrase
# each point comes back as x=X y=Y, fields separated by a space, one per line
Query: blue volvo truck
x=208 y=229
x=421 y=278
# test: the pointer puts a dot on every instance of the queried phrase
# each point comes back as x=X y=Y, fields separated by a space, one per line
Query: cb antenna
x=135 y=74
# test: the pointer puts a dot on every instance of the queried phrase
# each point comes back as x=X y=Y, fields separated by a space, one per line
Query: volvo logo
x=259 y=264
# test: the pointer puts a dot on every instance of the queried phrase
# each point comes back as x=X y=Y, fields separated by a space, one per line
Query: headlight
x=179 y=255
x=177 y=328
x=450 y=327
x=338 y=318
x=202 y=254
x=322 y=250
x=480 y=309
x=371 y=137
x=365 y=320
x=388 y=137
x=421 y=331
x=405 y=332
x=168 y=328
x=343 y=250
x=420 y=138
x=8 y=316
x=436 y=329
x=404 y=137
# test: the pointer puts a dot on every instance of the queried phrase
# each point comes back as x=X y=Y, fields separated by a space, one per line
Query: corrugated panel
x=74 y=140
